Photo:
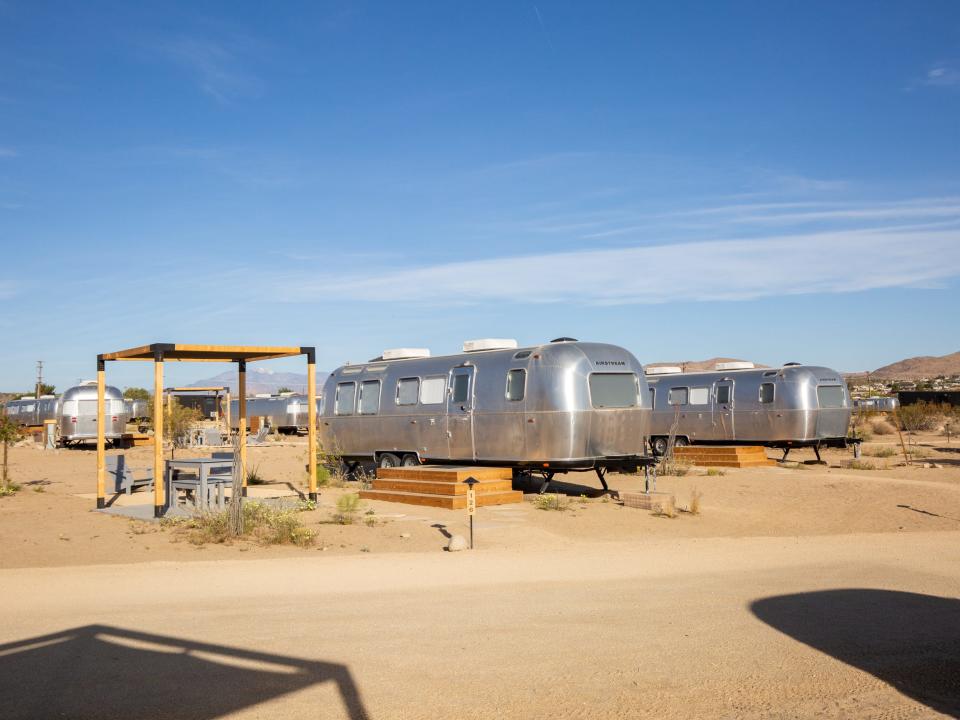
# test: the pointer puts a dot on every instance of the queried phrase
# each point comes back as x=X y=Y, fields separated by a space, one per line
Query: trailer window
x=766 y=392
x=516 y=384
x=370 y=397
x=408 y=389
x=677 y=396
x=699 y=396
x=345 y=401
x=723 y=394
x=830 y=396
x=431 y=391
x=613 y=390
x=461 y=388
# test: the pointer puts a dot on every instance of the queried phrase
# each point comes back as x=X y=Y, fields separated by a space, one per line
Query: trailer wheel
x=681 y=442
x=410 y=460
x=389 y=460
x=659 y=445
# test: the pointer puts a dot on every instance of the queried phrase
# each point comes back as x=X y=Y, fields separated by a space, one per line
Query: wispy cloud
x=943 y=74
x=698 y=271
x=215 y=65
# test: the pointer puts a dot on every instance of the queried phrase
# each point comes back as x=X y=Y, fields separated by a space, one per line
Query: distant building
x=938 y=397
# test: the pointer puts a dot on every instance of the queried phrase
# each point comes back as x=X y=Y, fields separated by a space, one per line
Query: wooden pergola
x=159 y=353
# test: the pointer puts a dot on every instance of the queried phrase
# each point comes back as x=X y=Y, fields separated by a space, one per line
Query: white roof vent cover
x=663 y=370
x=405 y=353
x=489 y=344
x=735 y=365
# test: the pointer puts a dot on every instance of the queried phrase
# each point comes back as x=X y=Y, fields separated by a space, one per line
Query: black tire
x=659 y=445
x=410 y=460
x=388 y=460
x=681 y=442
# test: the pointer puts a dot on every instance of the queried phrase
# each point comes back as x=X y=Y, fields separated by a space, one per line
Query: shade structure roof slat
x=175 y=352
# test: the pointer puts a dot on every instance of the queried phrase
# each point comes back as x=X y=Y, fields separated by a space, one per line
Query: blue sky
x=774 y=181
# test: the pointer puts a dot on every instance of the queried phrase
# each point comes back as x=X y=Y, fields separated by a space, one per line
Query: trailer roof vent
x=47 y=397
x=28 y=397
x=564 y=339
x=489 y=344
x=734 y=365
x=260 y=395
x=405 y=353
x=87 y=383
x=790 y=364
x=663 y=370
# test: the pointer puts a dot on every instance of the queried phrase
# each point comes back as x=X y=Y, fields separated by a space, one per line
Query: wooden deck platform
x=735 y=456
x=440 y=486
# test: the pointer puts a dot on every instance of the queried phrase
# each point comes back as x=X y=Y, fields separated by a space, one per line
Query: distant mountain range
x=923 y=366
x=261 y=381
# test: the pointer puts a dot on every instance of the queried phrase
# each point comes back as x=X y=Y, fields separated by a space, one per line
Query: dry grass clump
x=882 y=427
x=671 y=466
x=261 y=523
x=862 y=465
x=884 y=451
x=715 y=472
x=922 y=417
x=693 y=507
x=665 y=509
x=551 y=501
x=9 y=489
x=347 y=508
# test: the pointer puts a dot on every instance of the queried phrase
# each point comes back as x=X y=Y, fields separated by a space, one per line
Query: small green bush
x=714 y=472
x=862 y=465
x=884 y=451
x=551 y=501
x=261 y=523
x=347 y=507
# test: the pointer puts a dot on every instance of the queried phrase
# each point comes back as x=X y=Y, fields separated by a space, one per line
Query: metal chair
x=123 y=478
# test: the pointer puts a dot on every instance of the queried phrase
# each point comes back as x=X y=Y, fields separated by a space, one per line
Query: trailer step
x=736 y=456
x=450 y=502
x=436 y=487
x=445 y=473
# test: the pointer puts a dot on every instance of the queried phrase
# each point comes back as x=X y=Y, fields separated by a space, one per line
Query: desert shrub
x=551 y=501
x=347 y=507
x=665 y=509
x=921 y=417
x=253 y=476
x=323 y=476
x=715 y=472
x=882 y=427
x=884 y=451
x=671 y=466
x=694 y=507
x=862 y=465
x=261 y=523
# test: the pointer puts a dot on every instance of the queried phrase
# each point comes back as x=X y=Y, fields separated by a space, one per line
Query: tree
x=177 y=422
x=135 y=393
x=47 y=389
x=9 y=432
x=284 y=389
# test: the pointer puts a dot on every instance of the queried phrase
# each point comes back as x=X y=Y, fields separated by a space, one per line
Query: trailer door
x=460 y=415
x=723 y=411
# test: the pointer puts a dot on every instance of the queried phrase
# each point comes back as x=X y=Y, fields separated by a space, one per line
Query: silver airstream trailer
x=31 y=411
x=737 y=403
x=77 y=421
x=558 y=407
x=287 y=412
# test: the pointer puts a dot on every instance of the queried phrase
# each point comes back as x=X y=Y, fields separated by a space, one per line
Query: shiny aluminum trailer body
x=77 y=418
x=286 y=413
x=29 y=411
x=791 y=406
x=469 y=408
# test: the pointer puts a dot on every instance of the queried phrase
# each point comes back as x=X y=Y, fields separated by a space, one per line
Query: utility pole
x=37 y=392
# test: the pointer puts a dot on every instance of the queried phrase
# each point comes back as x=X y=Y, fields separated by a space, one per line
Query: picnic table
x=200 y=480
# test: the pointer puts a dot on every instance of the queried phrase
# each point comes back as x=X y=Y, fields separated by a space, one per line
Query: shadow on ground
x=908 y=640
x=106 y=672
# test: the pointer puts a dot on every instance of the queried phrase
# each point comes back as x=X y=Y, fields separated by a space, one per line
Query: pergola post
x=242 y=419
x=227 y=416
x=312 y=424
x=159 y=480
x=101 y=435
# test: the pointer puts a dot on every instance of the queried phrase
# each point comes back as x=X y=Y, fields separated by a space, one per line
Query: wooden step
x=450 y=502
x=448 y=473
x=435 y=487
x=735 y=456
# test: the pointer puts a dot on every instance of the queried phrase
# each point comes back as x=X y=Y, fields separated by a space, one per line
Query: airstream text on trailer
x=557 y=407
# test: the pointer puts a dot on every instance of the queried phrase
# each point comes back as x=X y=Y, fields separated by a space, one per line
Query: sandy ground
x=816 y=592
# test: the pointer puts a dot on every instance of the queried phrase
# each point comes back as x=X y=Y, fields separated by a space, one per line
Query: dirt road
x=823 y=626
